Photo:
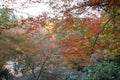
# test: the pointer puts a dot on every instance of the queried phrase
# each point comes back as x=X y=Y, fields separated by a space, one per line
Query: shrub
x=72 y=75
x=102 y=71
x=116 y=59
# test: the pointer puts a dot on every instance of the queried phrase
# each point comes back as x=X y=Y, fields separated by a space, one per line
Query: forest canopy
x=72 y=34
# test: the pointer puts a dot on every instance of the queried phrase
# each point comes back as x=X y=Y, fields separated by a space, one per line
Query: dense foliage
x=7 y=18
x=86 y=32
x=103 y=71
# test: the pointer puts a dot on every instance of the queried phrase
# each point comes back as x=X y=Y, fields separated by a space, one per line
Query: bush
x=72 y=75
x=102 y=71
x=116 y=59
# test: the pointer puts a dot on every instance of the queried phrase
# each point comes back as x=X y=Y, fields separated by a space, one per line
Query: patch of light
x=32 y=10
x=25 y=9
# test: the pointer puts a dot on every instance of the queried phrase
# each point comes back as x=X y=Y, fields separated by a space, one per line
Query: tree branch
x=32 y=68
x=41 y=69
x=90 y=4
x=97 y=36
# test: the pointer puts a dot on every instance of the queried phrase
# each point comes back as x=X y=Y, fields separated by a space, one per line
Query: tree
x=77 y=38
x=41 y=53
x=7 y=18
x=98 y=36
x=12 y=45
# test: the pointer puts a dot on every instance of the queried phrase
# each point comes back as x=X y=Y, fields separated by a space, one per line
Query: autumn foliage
x=78 y=37
x=77 y=43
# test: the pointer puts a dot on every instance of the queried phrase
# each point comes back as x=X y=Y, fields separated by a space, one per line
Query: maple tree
x=31 y=52
x=97 y=33
x=77 y=39
x=42 y=53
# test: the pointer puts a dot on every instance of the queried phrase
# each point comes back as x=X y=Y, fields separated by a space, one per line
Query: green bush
x=116 y=59
x=102 y=71
x=71 y=76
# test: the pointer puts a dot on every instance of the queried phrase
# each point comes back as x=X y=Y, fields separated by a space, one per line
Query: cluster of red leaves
x=79 y=47
x=31 y=26
x=93 y=26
